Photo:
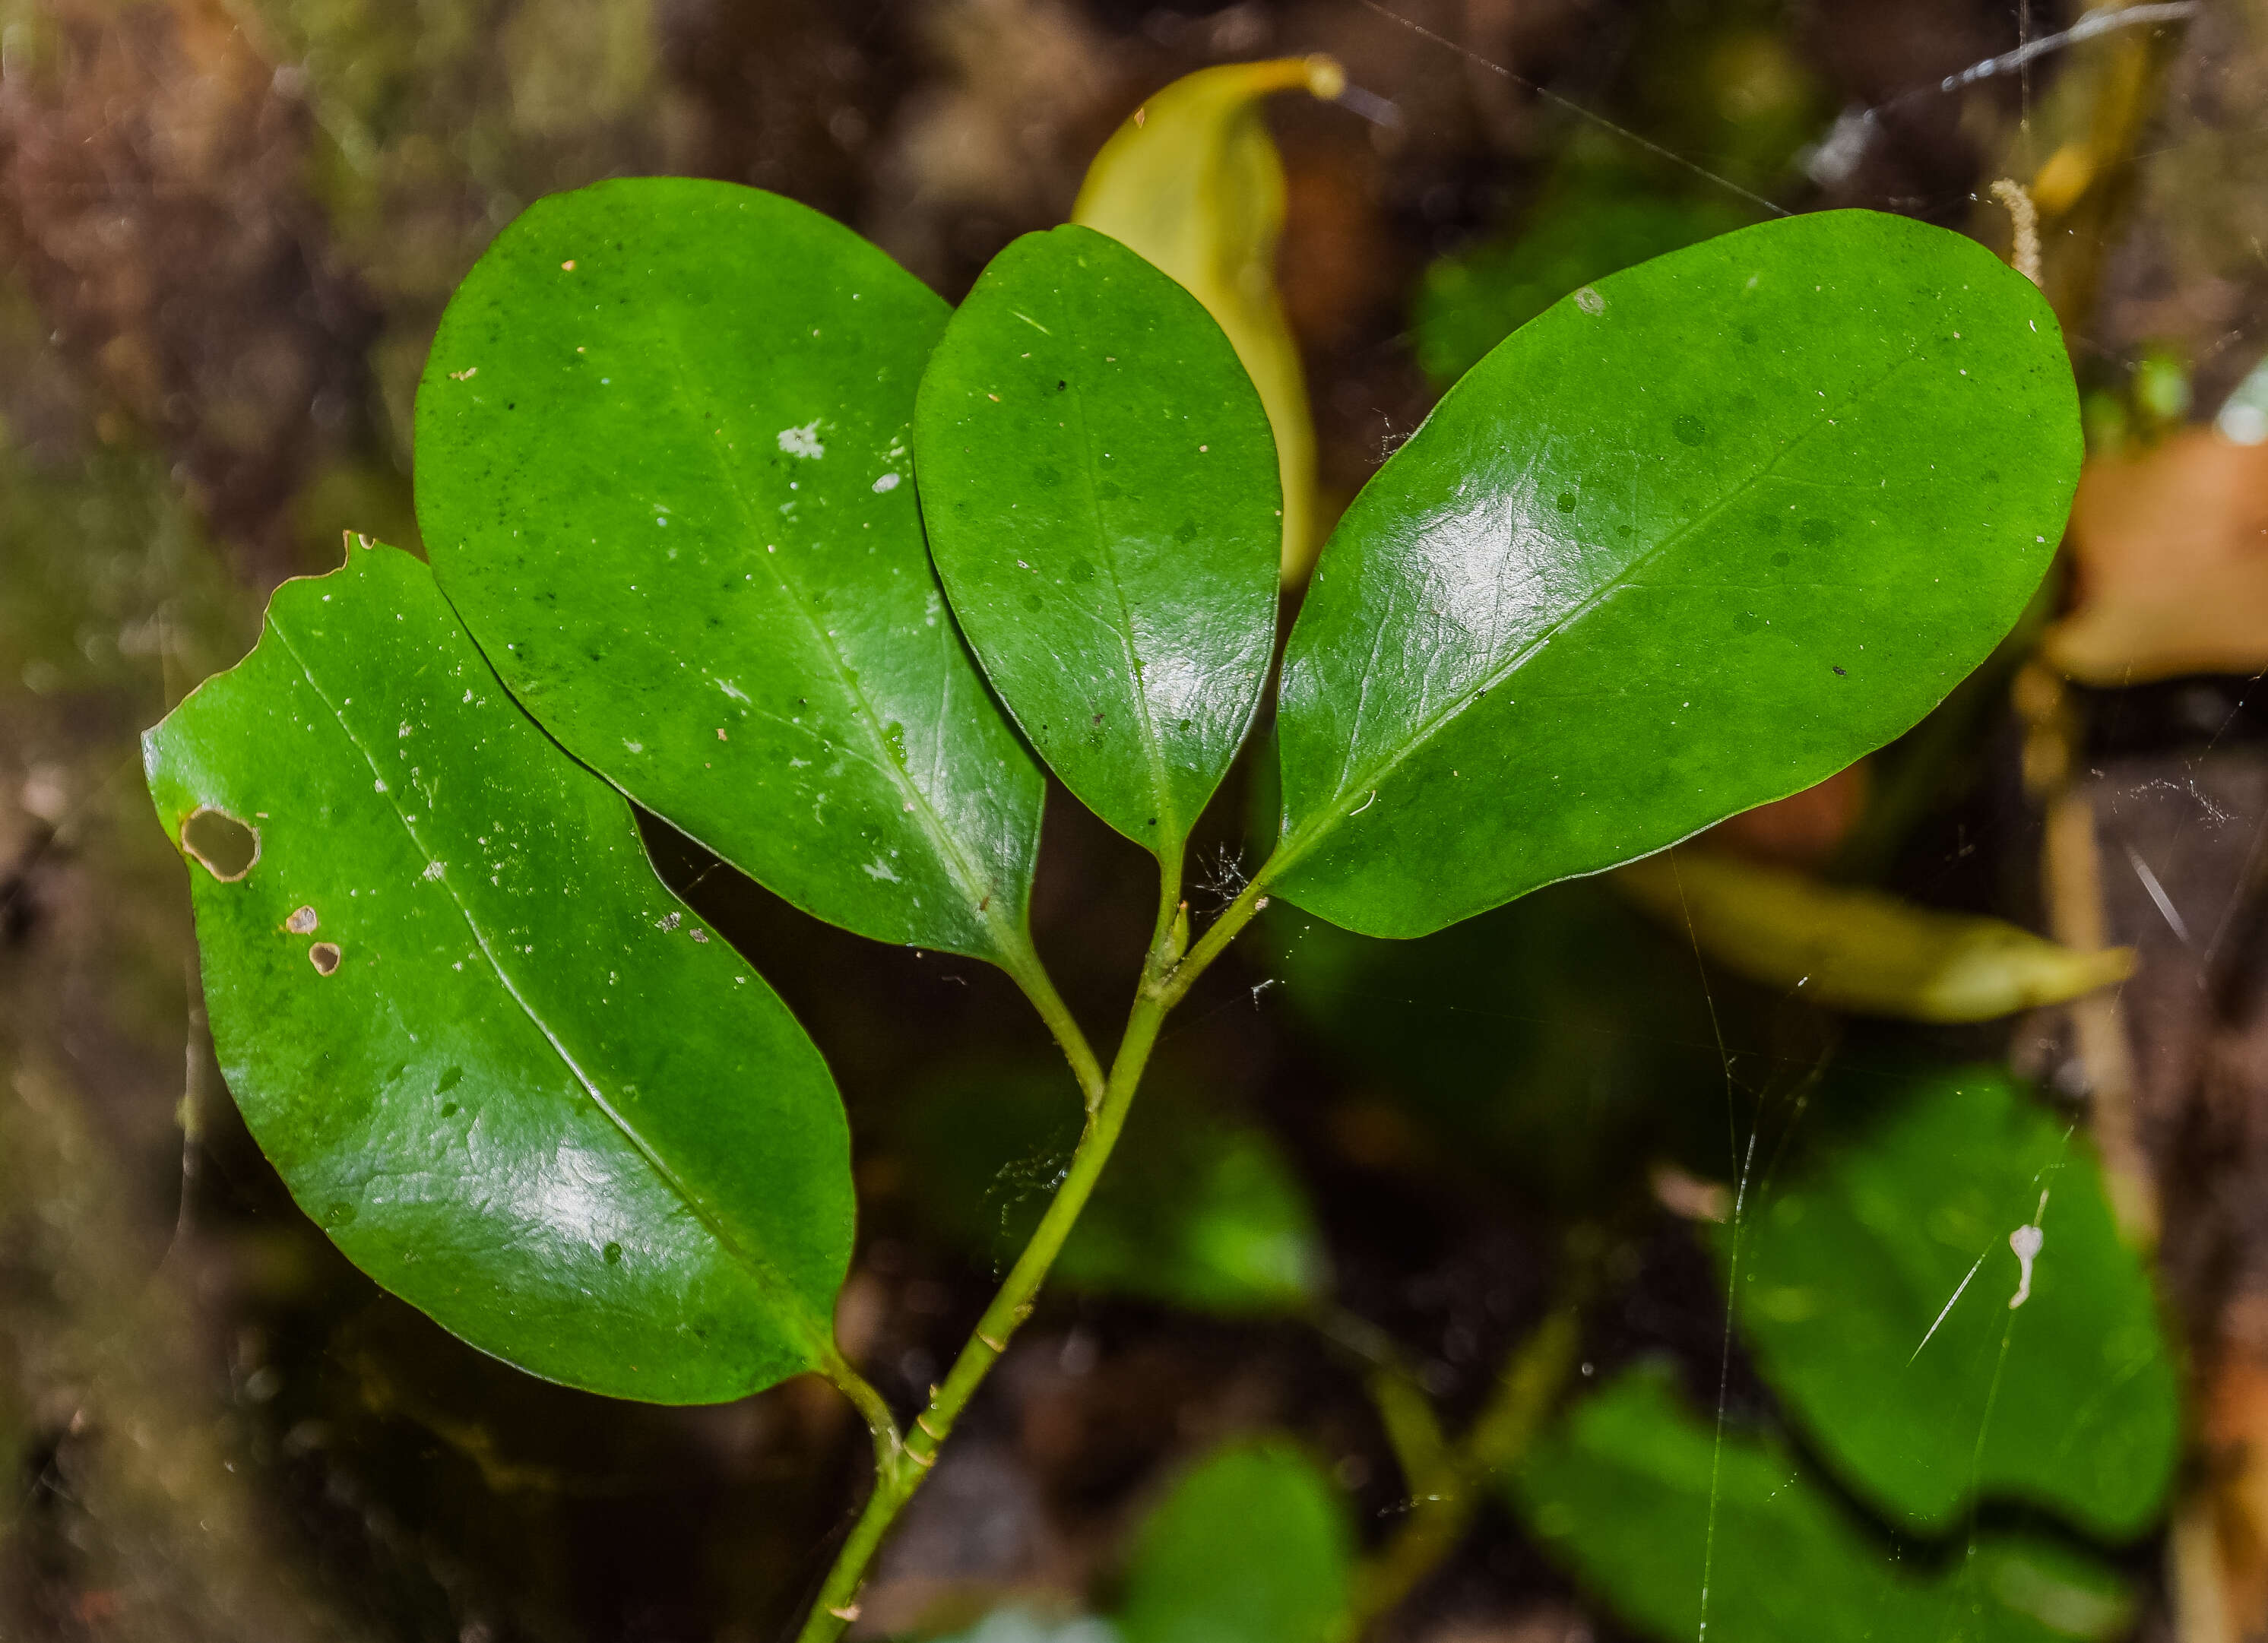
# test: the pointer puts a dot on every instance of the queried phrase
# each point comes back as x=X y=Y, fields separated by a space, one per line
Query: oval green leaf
x=1250 y=1546
x=490 y=1054
x=1685 y=1532
x=1100 y=486
x=661 y=471
x=1877 y=1291
x=1694 y=538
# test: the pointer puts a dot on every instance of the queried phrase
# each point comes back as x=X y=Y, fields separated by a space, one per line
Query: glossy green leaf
x=1250 y=1546
x=1634 y=1494
x=1846 y=948
x=1101 y=492
x=1197 y=1209
x=1689 y=540
x=500 y=1064
x=1876 y=1292
x=662 y=470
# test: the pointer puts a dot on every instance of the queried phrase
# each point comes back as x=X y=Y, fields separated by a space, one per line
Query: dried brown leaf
x=2171 y=546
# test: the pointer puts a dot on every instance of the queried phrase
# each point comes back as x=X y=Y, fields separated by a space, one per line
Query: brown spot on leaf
x=302 y=922
x=324 y=955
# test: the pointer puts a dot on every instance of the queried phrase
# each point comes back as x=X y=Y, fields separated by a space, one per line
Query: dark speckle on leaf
x=1839 y=673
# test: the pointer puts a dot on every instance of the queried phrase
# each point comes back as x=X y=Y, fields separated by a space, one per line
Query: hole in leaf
x=221 y=845
x=324 y=955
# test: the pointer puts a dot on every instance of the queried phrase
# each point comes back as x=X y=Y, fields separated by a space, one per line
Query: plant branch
x=1174 y=980
x=900 y=1468
x=1023 y=964
x=1413 y=1431
x=1447 y=1496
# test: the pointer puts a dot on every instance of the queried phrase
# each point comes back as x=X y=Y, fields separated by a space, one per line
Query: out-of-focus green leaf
x=1853 y=949
x=1194 y=183
x=1549 y=1047
x=1692 y=539
x=1100 y=490
x=1876 y=1290
x=662 y=471
x=490 y=1054
x=1250 y=1546
x=1197 y=1209
x=1592 y=222
x=1636 y=1497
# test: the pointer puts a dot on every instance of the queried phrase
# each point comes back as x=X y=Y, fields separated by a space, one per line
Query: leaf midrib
x=978 y=889
x=1162 y=792
x=1304 y=837
x=759 y=1272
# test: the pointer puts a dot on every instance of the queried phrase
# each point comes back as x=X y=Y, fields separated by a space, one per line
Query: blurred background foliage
x=1637 y=1223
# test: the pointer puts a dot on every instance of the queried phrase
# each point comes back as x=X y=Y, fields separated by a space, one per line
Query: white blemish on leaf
x=879 y=869
x=802 y=441
x=302 y=921
x=886 y=483
x=2026 y=1241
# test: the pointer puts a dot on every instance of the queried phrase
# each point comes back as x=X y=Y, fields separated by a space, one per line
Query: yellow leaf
x=2171 y=551
x=1194 y=183
x=1860 y=950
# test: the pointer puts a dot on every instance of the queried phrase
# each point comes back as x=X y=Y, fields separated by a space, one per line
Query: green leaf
x=1691 y=540
x=661 y=472
x=1637 y=1498
x=1550 y=1046
x=490 y=1054
x=1197 y=1209
x=1251 y=1546
x=1876 y=1292
x=1100 y=488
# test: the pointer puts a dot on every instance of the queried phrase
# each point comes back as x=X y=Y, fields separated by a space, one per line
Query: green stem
x=1175 y=980
x=1413 y=1431
x=901 y=1466
x=1023 y=965
x=1447 y=1498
